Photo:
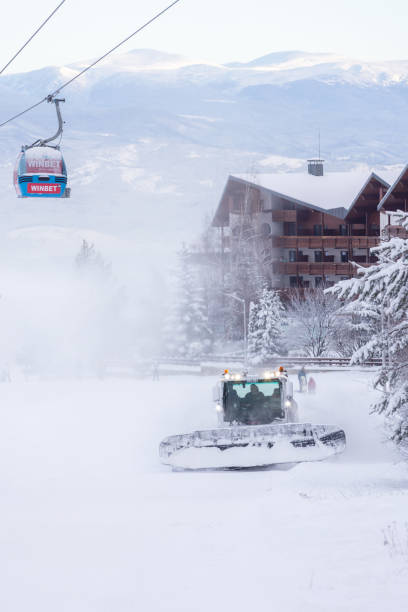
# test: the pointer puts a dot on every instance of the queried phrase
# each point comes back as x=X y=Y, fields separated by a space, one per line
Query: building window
x=318 y=256
x=289 y=228
x=317 y=230
x=344 y=256
x=318 y=281
x=292 y=255
x=343 y=230
x=293 y=281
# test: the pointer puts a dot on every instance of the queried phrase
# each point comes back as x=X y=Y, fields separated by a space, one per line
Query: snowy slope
x=91 y=521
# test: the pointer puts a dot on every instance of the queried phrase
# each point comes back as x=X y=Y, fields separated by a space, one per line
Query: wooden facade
x=305 y=245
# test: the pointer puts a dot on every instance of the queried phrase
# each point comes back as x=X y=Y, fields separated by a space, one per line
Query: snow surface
x=36 y=153
x=90 y=521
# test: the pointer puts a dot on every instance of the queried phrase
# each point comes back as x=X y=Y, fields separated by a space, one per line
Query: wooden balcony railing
x=325 y=242
x=392 y=231
x=314 y=269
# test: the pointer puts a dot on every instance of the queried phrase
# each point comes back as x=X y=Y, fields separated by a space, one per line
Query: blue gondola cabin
x=40 y=171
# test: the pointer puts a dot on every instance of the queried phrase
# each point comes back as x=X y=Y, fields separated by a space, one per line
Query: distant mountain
x=285 y=57
x=150 y=137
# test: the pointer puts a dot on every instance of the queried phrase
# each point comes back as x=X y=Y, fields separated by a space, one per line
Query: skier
x=311 y=385
x=302 y=379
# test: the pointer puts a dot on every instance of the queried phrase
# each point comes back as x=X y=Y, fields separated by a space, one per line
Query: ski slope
x=90 y=521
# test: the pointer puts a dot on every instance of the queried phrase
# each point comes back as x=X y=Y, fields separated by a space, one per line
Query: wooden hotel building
x=308 y=227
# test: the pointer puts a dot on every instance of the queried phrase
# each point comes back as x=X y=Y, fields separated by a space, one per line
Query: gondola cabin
x=40 y=172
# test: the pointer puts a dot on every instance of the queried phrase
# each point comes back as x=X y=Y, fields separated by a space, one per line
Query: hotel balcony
x=325 y=242
x=314 y=269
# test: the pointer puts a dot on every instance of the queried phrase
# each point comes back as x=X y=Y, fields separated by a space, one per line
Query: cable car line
x=145 y=25
x=40 y=170
x=23 y=112
x=57 y=91
x=31 y=37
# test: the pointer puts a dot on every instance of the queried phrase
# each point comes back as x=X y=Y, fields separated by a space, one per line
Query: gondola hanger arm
x=43 y=142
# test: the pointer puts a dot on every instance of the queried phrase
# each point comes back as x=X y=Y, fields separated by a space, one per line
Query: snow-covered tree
x=311 y=321
x=88 y=259
x=210 y=269
x=97 y=316
x=265 y=327
x=352 y=330
x=186 y=330
x=247 y=272
x=381 y=291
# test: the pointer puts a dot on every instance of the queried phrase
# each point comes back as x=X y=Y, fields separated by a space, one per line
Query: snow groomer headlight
x=288 y=404
x=218 y=408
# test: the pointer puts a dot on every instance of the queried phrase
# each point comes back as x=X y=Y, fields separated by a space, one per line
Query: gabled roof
x=335 y=193
x=373 y=177
x=391 y=190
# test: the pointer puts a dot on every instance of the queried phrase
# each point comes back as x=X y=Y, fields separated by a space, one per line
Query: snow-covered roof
x=333 y=190
x=394 y=183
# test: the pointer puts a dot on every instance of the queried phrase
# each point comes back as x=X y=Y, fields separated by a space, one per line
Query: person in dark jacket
x=302 y=379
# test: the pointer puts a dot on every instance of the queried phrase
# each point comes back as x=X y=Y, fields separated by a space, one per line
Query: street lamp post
x=242 y=301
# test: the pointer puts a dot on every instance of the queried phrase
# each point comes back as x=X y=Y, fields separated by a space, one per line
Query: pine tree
x=186 y=330
x=265 y=327
x=89 y=260
x=99 y=324
x=380 y=294
x=353 y=330
x=247 y=273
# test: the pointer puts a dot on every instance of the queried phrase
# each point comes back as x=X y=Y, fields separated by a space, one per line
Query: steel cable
x=31 y=37
x=57 y=91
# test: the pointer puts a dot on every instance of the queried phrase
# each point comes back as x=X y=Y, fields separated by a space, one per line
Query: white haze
x=58 y=319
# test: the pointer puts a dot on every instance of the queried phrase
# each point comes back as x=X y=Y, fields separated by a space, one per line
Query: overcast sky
x=213 y=30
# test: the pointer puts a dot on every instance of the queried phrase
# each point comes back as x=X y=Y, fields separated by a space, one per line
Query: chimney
x=315 y=167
